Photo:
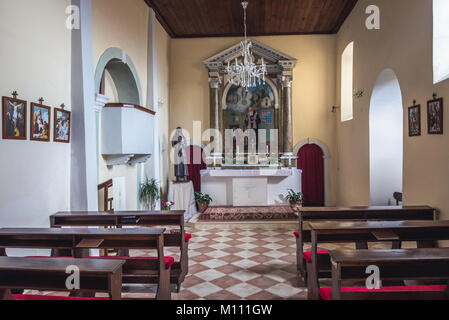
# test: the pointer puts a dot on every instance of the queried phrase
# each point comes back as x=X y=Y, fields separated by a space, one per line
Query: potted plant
x=149 y=194
x=202 y=201
x=167 y=205
x=295 y=198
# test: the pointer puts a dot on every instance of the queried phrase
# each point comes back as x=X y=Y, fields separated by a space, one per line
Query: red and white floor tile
x=238 y=263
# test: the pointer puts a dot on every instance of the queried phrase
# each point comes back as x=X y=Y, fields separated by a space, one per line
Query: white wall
x=121 y=24
x=34 y=176
x=163 y=82
x=386 y=141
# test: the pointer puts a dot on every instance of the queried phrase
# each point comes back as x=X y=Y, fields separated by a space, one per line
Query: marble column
x=287 y=117
x=280 y=118
x=216 y=121
x=214 y=84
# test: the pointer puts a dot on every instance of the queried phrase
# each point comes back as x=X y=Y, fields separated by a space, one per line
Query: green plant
x=202 y=198
x=294 y=197
x=149 y=193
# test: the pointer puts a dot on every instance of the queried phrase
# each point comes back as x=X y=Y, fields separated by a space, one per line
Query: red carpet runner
x=229 y=214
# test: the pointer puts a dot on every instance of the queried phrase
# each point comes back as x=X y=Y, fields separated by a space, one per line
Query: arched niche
x=386 y=139
x=123 y=73
x=327 y=165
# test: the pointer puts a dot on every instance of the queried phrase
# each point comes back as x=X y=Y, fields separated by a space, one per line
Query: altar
x=246 y=187
x=250 y=161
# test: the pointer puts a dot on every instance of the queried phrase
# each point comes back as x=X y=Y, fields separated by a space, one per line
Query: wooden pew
x=136 y=218
x=153 y=270
x=324 y=214
x=424 y=233
x=47 y=274
x=411 y=264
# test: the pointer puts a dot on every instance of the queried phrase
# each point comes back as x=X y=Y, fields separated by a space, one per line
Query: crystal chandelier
x=246 y=74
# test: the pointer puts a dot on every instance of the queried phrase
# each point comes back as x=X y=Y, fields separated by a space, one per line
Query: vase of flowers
x=202 y=201
x=295 y=198
x=167 y=205
x=149 y=194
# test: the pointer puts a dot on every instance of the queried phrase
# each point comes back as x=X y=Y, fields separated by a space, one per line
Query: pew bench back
x=410 y=264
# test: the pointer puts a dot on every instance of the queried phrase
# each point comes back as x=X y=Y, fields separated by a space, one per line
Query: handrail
x=129 y=105
x=108 y=202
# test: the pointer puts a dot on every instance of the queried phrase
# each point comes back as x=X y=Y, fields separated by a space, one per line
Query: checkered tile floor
x=237 y=263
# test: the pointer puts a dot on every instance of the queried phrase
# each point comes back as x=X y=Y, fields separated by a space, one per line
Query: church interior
x=224 y=150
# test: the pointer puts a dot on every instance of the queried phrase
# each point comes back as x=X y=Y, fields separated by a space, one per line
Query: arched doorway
x=311 y=162
x=115 y=64
x=386 y=139
x=195 y=156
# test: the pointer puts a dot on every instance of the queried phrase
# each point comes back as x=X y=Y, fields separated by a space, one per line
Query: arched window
x=347 y=75
x=440 y=40
x=386 y=139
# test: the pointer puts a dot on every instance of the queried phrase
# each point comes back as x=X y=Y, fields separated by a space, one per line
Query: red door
x=196 y=164
x=311 y=162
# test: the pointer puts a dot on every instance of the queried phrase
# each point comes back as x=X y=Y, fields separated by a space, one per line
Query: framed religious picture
x=435 y=116
x=62 y=125
x=414 y=121
x=14 y=118
x=40 y=116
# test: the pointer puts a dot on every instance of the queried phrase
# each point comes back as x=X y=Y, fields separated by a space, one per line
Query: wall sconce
x=359 y=93
x=334 y=109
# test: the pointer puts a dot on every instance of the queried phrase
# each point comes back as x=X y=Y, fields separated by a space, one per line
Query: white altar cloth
x=248 y=173
x=183 y=195
x=250 y=187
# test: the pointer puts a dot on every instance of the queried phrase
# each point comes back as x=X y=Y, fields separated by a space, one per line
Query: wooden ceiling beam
x=224 y=18
x=350 y=4
x=161 y=19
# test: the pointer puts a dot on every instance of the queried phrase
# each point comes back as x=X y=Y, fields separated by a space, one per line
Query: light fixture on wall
x=246 y=74
x=359 y=93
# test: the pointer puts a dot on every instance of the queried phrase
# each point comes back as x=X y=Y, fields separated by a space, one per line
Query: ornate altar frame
x=280 y=77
